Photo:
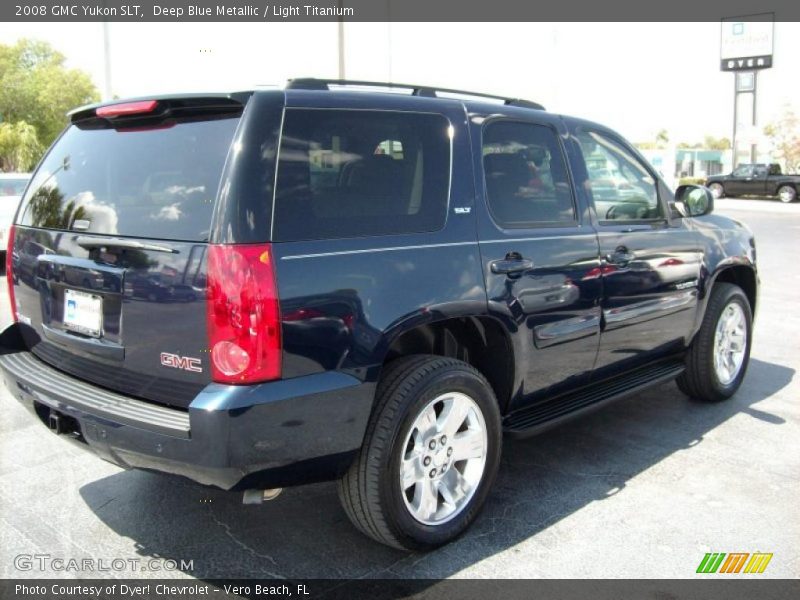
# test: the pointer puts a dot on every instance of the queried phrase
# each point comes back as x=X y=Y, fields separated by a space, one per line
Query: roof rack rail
x=311 y=83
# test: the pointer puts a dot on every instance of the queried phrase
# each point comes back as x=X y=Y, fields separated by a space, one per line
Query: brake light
x=244 y=325
x=127 y=108
x=9 y=275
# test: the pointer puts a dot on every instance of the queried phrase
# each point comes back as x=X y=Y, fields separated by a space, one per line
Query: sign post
x=746 y=46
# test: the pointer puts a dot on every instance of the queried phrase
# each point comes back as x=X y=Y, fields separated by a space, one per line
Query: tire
x=787 y=194
x=717 y=190
x=702 y=380
x=371 y=491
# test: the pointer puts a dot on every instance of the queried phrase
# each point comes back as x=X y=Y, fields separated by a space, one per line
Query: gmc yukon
x=327 y=282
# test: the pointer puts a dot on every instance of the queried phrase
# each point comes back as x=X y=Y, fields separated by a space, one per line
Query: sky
x=637 y=78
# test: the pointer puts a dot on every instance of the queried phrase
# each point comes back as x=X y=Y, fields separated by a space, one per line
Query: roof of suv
x=424 y=91
x=477 y=101
x=397 y=94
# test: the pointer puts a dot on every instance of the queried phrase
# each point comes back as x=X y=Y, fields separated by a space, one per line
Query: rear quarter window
x=155 y=182
x=353 y=173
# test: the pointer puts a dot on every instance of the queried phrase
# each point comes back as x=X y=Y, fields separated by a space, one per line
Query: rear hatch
x=110 y=245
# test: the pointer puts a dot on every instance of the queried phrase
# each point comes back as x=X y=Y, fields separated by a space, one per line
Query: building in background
x=702 y=162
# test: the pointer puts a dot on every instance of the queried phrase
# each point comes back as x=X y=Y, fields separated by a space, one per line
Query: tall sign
x=746 y=46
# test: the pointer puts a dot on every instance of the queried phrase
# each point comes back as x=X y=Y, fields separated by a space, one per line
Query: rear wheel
x=717 y=190
x=717 y=359
x=430 y=455
x=787 y=193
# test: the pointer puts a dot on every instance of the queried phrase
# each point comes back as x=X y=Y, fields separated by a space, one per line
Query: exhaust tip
x=272 y=494
x=260 y=496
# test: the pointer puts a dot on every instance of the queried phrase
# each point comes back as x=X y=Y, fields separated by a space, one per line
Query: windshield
x=155 y=182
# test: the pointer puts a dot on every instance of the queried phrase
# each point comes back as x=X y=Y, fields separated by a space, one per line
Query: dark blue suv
x=362 y=282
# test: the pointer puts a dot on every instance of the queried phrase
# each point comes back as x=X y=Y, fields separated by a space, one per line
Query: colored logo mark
x=734 y=562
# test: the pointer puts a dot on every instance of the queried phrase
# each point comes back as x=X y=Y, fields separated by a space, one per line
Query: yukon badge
x=187 y=363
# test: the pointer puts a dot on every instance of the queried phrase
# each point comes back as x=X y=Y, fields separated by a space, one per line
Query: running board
x=545 y=414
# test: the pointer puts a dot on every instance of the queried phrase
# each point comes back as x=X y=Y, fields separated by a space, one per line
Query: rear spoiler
x=163 y=106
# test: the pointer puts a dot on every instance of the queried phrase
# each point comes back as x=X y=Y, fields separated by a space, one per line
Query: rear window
x=352 y=173
x=155 y=182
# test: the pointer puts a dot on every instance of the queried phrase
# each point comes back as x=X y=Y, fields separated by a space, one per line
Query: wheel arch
x=786 y=182
x=479 y=340
x=741 y=275
x=783 y=182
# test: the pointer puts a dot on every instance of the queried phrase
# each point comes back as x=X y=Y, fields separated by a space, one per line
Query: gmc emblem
x=187 y=363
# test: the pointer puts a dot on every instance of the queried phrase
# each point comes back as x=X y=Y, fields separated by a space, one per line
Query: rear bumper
x=276 y=434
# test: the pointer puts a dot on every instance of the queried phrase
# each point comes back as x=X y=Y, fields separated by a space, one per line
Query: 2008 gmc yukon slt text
x=271 y=288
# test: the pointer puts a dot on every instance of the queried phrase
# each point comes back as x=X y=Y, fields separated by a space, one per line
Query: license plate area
x=83 y=313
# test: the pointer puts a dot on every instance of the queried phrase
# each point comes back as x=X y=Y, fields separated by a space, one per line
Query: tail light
x=127 y=108
x=9 y=274
x=244 y=325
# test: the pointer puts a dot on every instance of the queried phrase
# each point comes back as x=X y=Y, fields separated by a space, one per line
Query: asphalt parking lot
x=642 y=489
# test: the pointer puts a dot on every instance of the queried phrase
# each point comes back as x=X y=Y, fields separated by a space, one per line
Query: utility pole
x=107 y=95
x=389 y=34
x=340 y=40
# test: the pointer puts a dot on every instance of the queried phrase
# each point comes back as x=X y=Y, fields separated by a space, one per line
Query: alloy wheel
x=730 y=342
x=443 y=460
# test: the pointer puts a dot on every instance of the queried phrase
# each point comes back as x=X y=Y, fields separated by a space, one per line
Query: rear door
x=540 y=261
x=374 y=228
x=758 y=183
x=110 y=247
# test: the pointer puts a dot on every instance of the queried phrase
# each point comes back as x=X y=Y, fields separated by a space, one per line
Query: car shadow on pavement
x=305 y=534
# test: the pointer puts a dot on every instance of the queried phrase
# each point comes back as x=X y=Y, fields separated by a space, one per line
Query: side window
x=760 y=171
x=621 y=186
x=352 y=173
x=525 y=174
x=743 y=171
x=393 y=148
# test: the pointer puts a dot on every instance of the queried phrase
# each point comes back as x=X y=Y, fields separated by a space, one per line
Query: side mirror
x=694 y=200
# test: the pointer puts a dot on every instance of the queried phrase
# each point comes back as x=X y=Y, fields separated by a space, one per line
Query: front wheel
x=787 y=193
x=717 y=359
x=430 y=455
x=717 y=190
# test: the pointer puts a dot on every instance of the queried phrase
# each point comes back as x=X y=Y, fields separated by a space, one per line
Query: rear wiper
x=93 y=242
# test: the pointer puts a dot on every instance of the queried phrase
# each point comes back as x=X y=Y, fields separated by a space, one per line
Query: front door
x=651 y=259
x=740 y=182
x=540 y=261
